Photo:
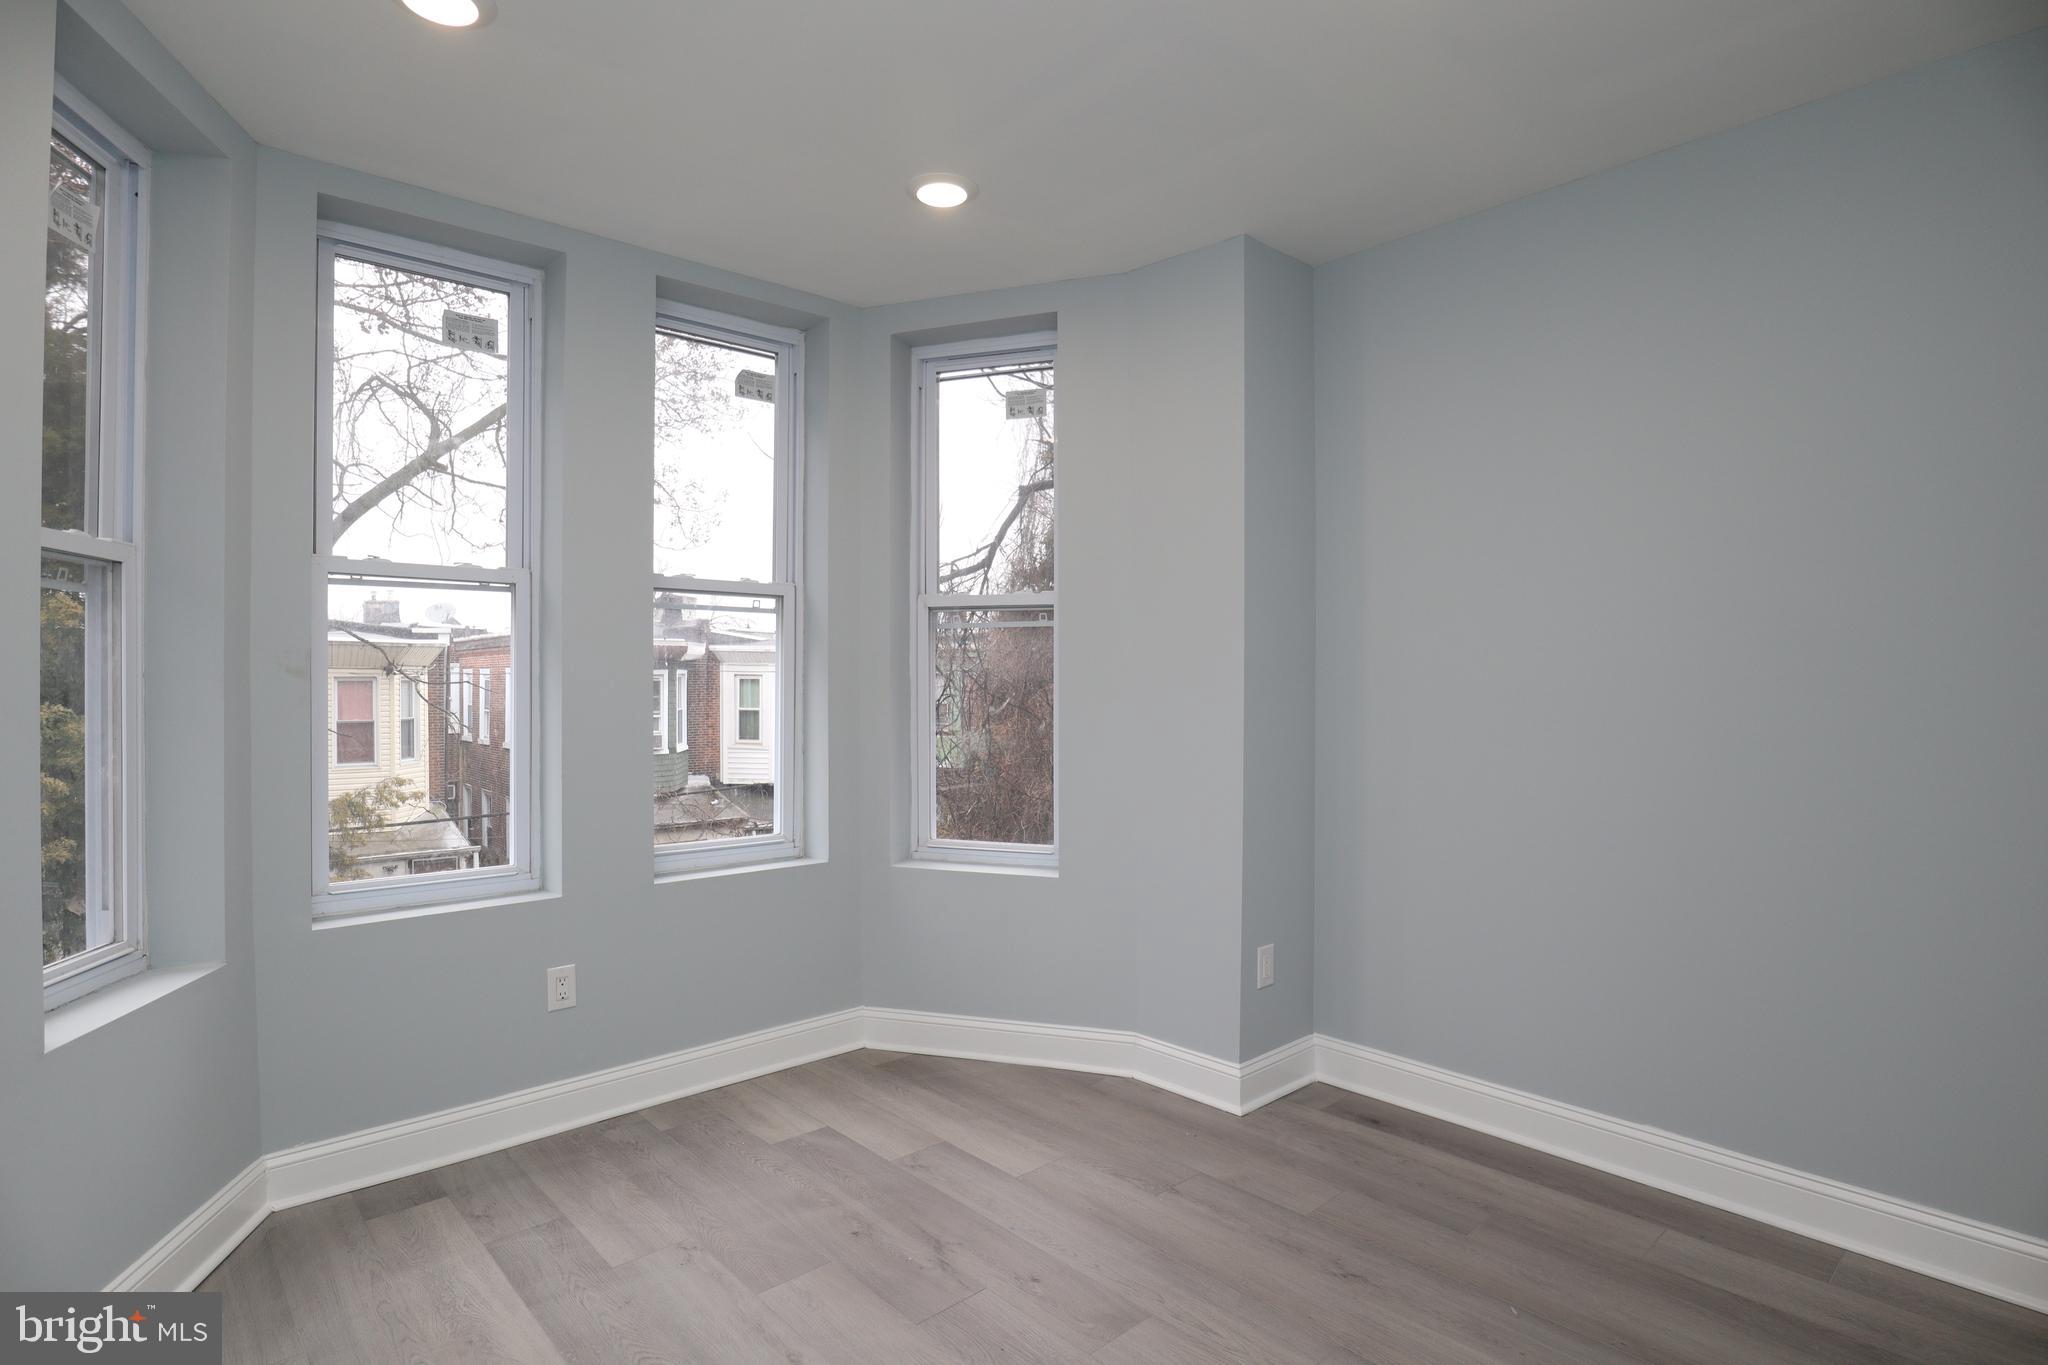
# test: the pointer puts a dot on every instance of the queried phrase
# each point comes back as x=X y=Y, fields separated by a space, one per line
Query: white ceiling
x=776 y=138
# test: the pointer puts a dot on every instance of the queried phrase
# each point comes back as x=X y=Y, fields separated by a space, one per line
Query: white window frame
x=334 y=713
x=928 y=363
x=522 y=871
x=760 y=740
x=784 y=593
x=679 y=734
x=483 y=707
x=660 y=736
x=114 y=763
x=408 y=714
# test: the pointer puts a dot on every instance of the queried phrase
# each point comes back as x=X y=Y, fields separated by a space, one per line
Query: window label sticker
x=469 y=332
x=755 y=385
x=1024 y=404
x=74 y=219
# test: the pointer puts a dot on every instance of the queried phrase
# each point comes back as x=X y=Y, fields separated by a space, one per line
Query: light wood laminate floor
x=876 y=1209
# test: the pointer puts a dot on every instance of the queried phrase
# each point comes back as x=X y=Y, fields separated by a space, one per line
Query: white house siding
x=742 y=762
x=349 y=658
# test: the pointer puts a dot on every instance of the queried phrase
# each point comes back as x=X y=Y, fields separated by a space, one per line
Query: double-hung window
x=355 y=722
x=426 y=531
x=408 y=720
x=91 y=568
x=661 y=710
x=984 y=608
x=727 y=585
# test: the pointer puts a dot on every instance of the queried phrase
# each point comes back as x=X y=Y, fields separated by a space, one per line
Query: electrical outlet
x=1265 y=965
x=562 y=987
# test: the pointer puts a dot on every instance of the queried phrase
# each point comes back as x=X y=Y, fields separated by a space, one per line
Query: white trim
x=113 y=541
x=929 y=365
x=188 y=1253
x=525 y=822
x=335 y=682
x=1991 y=1260
x=408 y=699
x=660 y=734
x=785 y=594
x=1234 y=1087
x=374 y=1155
x=679 y=733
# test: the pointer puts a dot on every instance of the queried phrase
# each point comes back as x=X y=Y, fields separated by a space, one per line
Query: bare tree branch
x=984 y=559
x=427 y=459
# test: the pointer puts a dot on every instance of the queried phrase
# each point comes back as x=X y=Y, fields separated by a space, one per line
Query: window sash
x=408 y=721
x=783 y=594
x=523 y=361
x=742 y=712
x=113 y=543
x=929 y=364
x=681 y=733
x=659 y=730
x=521 y=872
x=524 y=332
x=370 y=720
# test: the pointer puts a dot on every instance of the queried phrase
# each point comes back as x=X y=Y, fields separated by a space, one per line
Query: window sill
x=664 y=876
x=343 y=919
x=73 y=1020
x=969 y=865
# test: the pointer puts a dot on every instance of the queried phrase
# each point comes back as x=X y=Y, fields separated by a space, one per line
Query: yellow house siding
x=353 y=659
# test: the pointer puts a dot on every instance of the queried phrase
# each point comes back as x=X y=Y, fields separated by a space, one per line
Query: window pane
x=718 y=779
x=70 y=288
x=992 y=740
x=420 y=420
x=77 y=914
x=714 y=459
x=354 y=699
x=995 y=452
x=355 y=720
x=392 y=806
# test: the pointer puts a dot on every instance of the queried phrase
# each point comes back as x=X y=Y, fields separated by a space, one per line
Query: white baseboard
x=1992 y=1260
x=1282 y=1071
x=1995 y=1261
x=1234 y=1087
x=375 y=1155
x=188 y=1253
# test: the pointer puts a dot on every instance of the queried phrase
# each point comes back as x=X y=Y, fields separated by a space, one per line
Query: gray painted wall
x=1673 y=601
x=116 y=1135
x=1279 y=649
x=368 y=1022
x=1680 y=687
x=1143 y=928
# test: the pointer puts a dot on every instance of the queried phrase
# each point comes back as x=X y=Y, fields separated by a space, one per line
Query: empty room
x=1330 y=682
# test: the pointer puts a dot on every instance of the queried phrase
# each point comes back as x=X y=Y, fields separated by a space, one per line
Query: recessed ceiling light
x=451 y=13
x=941 y=190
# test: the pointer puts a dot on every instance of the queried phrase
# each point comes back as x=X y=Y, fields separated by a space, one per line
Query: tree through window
x=986 y=462
x=425 y=550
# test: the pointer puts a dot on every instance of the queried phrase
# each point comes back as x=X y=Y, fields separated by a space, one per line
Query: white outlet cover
x=561 y=984
x=1265 y=966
